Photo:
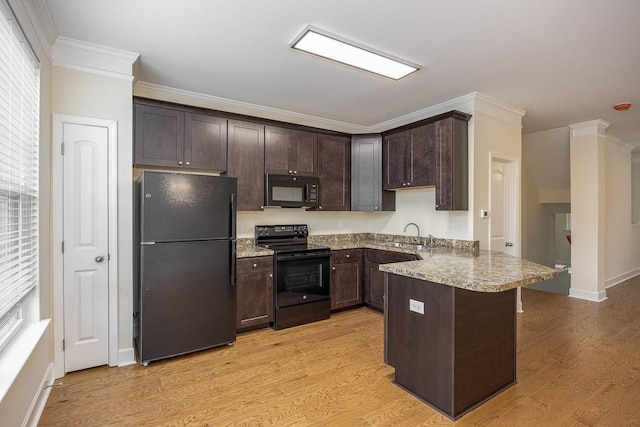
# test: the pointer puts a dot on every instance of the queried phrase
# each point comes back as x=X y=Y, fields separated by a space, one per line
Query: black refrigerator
x=184 y=289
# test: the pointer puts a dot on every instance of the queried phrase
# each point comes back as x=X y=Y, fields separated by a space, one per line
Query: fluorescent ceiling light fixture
x=321 y=43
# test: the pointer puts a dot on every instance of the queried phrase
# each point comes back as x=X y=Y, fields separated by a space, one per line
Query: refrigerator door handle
x=233 y=216
x=232 y=263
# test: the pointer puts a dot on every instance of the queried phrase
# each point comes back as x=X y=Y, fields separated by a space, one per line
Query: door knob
x=508 y=244
x=99 y=258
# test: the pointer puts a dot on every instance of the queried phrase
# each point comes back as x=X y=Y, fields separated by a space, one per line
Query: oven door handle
x=293 y=257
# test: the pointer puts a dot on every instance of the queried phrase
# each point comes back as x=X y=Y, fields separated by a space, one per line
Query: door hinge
x=63 y=344
x=63 y=246
x=62 y=148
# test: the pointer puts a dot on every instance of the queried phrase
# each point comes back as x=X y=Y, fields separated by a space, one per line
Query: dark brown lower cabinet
x=374 y=278
x=346 y=278
x=451 y=347
x=254 y=292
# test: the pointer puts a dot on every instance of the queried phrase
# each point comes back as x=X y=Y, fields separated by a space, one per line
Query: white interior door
x=86 y=241
x=503 y=212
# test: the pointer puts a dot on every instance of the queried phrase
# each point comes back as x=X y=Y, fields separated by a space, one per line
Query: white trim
x=40 y=399
x=470 y=103
x=164 y=93
x=498 y=109
x=83 y=56
x=618 y=144
x=126 y=356
x=57 y=228
x=609 y=283
x=593 y=127
x=14 y=357
x=42 y=22
x=588 y=295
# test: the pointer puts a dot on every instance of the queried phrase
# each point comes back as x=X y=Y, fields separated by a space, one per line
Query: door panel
x=86 y=276
x=502 y=208
x=178 y=207
x=187 y=302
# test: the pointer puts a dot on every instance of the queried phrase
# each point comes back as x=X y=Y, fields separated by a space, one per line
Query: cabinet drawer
x=249 y=265
x=346 y=255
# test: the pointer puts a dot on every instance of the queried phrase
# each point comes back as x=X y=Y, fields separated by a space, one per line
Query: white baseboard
x=621 y=278
x=588 y=295
x=126 y=356
x=40 y=399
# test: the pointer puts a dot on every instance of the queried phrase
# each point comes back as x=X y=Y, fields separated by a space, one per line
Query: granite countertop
x=457 y=263
x=481 y=271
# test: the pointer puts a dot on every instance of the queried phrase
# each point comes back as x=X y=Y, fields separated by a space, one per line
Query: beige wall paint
x=92 y=95
x=491 y=137
x=621 y=259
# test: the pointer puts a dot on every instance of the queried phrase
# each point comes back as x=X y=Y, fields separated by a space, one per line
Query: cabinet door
x=246 y=162
x=396 y=160
x=451 y=164
x=374 y=278
x=205 y=142
x=159 y=136
x=254 y=292
x=334 y=170
x=366 y=176
x=291 y=152
x=374 y=286
x=346 y=285
x=423 y=147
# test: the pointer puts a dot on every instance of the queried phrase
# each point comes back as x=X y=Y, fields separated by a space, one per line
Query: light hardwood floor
x=578 y=364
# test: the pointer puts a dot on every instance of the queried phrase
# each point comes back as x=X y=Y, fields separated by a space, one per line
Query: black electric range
x=301 y=274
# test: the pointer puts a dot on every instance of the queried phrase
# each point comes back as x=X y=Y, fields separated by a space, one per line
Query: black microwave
x=291 y=191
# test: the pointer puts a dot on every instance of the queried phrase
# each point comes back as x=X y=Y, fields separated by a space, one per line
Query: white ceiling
x=564 y=62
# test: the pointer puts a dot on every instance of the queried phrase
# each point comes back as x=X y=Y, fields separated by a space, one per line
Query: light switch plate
x=416 y=306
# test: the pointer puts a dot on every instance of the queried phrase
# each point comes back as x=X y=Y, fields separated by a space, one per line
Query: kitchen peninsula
x=450 y=315
x=450 y=324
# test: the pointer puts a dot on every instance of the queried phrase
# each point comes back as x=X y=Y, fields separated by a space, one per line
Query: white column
x=587 y=147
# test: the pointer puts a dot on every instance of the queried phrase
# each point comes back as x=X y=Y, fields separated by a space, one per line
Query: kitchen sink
x=411 y=246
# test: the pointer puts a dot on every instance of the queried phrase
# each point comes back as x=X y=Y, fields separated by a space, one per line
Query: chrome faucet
x=414 y=224
x=430 y=240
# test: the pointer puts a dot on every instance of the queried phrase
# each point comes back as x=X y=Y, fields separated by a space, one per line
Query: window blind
x=19 y=124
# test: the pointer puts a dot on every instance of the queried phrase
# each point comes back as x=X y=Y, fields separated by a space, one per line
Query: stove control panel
x=282 y=231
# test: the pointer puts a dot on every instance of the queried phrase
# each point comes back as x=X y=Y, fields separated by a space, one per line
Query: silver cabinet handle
x=180 y=163
x=295 y=172
x=291 y=172
x=255 y=265
x=270 y=274
x=508 y=244
x=375 y=208
x=99 y=258
x=188 y=163
x=333 y=268
x=348 y=256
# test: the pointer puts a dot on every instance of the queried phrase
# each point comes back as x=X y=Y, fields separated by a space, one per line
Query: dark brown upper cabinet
x=172 y=138
x=289 y=151
x=246 y=163
x=409 y=158
x=334 y=171
x=452 y=162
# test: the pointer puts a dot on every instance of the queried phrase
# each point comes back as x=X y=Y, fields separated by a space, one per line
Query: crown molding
x=498 y=109
x=46 y=29
x=593 y=127
x=93 y=58
x=619 y=144
x=164 y=93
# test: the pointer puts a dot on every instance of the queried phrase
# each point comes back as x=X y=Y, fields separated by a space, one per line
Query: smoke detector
x=623 y=106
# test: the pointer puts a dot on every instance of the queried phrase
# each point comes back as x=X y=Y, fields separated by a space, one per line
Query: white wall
x=416 y=205
x=621 y=258
x=92 y=95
